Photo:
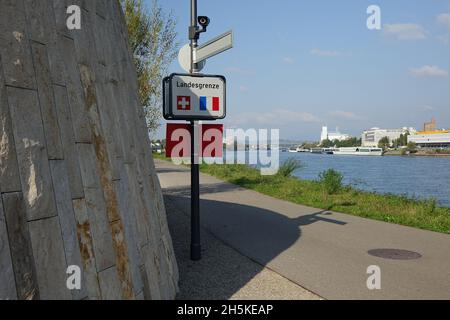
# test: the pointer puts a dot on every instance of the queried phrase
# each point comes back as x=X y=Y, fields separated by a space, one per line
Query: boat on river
x=322 y=150
x=359 y=151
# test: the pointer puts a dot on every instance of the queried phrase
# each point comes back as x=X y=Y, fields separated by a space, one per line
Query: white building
x=434 y=139
x=370 y=138
x=325 y=135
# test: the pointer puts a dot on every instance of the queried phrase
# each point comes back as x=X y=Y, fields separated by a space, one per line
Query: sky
x=299 y=65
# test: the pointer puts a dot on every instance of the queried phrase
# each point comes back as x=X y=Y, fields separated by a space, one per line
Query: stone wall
x=77 y=180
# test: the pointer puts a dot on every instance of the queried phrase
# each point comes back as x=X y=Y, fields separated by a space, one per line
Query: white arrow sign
x=214 y=47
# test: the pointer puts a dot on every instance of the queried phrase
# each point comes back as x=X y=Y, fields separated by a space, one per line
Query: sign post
x=193 y=97
x=195 y=174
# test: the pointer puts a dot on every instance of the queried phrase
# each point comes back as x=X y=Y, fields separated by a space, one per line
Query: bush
x=431 y=205
x=331 y=181
x=288 y=168
x=411 y=147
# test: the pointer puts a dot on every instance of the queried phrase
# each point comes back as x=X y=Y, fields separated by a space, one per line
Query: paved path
x=223 y=273
x=324 y=252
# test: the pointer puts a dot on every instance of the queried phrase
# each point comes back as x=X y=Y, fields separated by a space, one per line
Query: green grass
x=389 y=208
x=159 y=156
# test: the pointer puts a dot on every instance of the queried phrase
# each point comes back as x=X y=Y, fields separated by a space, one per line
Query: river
x=419 y=177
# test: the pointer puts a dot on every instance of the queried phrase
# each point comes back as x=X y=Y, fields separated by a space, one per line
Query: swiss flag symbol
x=183 y=103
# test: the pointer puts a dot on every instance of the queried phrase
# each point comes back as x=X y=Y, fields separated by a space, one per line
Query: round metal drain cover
x=396 y=254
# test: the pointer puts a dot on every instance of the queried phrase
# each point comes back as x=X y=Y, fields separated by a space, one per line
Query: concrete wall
x=77 y=180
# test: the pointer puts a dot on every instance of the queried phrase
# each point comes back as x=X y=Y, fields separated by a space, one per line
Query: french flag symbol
x=209 y=103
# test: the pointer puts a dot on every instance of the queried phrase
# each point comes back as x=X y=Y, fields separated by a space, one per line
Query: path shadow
x=209 y=188
x=170 y=170
x=258 y=233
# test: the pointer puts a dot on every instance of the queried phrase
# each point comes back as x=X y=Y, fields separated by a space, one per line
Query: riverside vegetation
x=328 y=192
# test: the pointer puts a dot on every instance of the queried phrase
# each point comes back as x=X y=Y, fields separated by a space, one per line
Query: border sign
x=194 y=97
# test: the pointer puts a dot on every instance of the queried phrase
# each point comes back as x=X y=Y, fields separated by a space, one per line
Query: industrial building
x=326 y=135
x=371 y=137
x=431 y=139
x=430 y=126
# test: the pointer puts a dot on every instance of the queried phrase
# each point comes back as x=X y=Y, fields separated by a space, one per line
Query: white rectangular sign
x=194 y=97
x=214 y=47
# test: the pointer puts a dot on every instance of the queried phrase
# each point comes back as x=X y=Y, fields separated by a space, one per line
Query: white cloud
x=429 y=71
x=444 y=39
x=238 y=70
x=405 y=31
x=444 y=19
x=277 y=117
x=288 y=60
x=234 y=69
x=347 y=115
x=243 y=89
x=428 y=108
x=324 y=53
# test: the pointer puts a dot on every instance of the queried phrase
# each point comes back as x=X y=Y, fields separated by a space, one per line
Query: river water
x=419 y=177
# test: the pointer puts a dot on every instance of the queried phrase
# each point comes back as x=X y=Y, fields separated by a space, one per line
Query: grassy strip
x=160 y=156
x=389 y=208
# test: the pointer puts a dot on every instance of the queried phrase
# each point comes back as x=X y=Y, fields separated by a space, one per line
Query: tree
x=397 y=142
x=350 y=142
x=152 y=39
x=384 y=143
x=411 y=147
x=309 y=145
x=402 y=140
x=326 y=143
x=405 y=138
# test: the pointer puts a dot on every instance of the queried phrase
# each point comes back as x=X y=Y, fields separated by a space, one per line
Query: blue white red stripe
x=209 y=103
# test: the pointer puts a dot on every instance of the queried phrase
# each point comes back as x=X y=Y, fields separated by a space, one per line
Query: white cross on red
x=183 y=102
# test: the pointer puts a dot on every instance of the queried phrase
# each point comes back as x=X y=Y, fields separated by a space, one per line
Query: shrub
x=331 y=181
x=412 y=147
x=288 y=168
x=431 y=205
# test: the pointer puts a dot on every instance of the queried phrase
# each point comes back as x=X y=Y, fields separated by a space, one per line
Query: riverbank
x=417 y=154
x=389 y=208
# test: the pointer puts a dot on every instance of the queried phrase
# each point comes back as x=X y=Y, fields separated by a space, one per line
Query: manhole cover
x=396 y=254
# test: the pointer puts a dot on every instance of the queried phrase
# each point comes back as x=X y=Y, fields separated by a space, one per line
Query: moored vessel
x=359 y=151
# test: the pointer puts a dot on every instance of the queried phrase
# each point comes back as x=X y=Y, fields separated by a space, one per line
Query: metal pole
x=195 y=175
x=192 y=36
x=195 y=197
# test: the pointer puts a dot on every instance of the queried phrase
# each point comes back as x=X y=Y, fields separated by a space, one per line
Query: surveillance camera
x=204 y=21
